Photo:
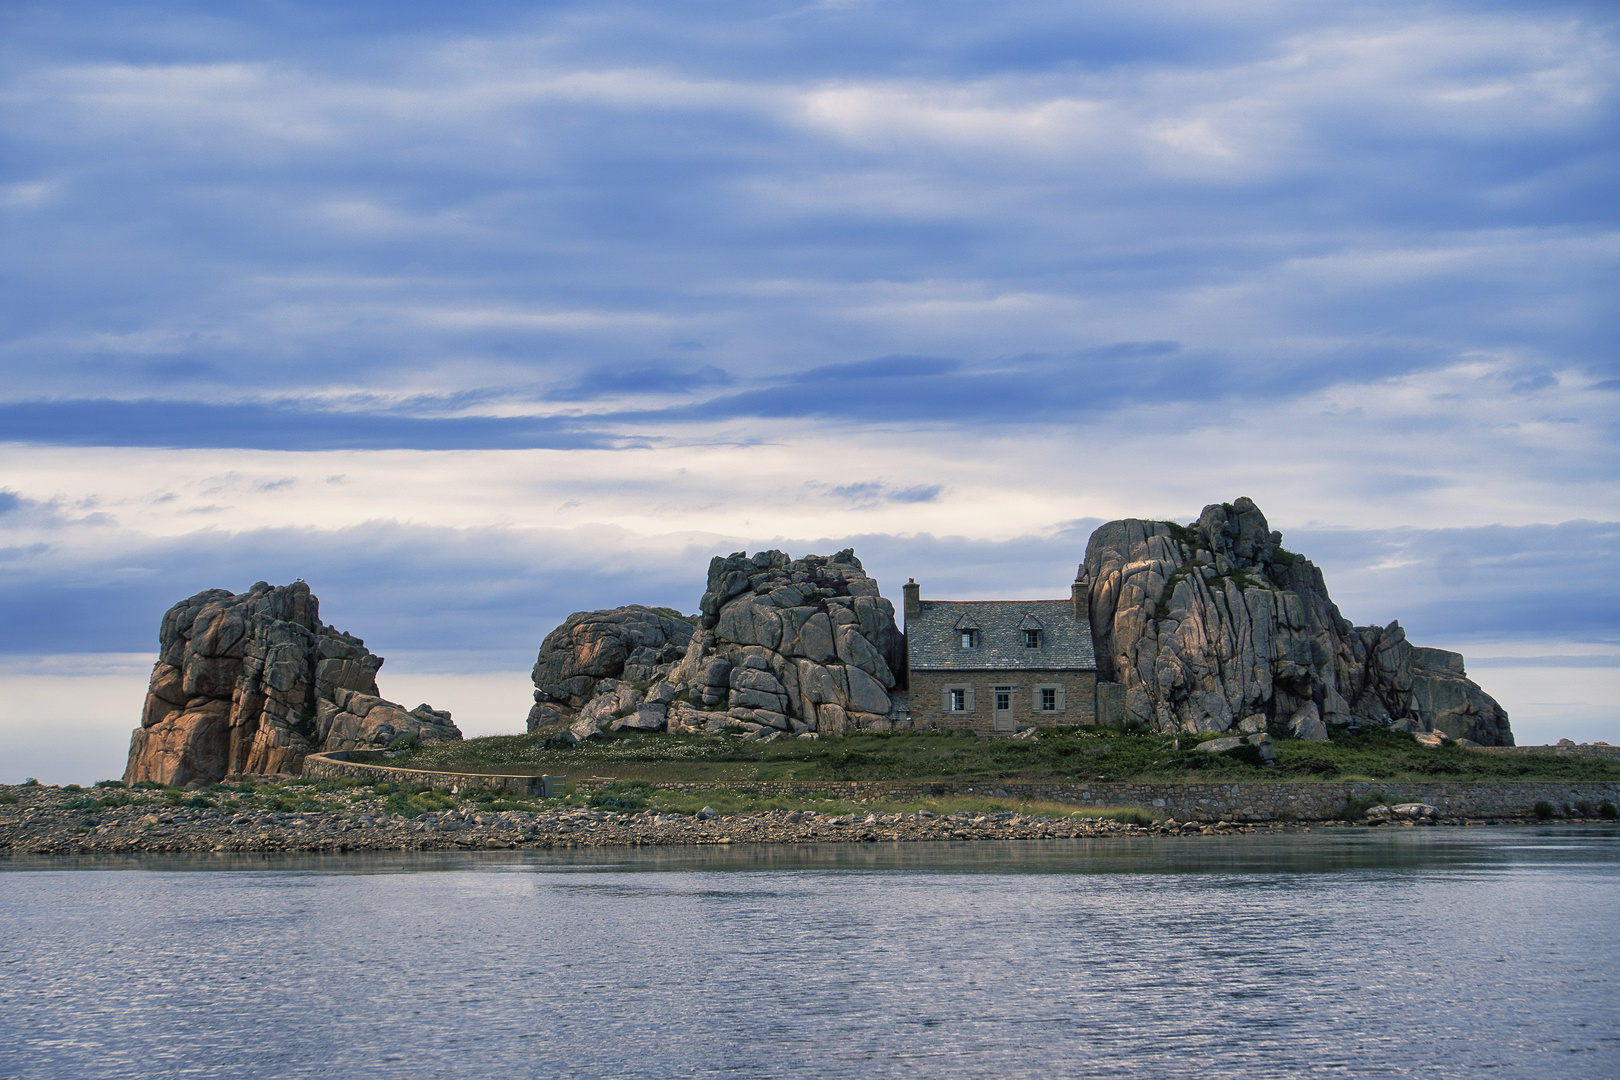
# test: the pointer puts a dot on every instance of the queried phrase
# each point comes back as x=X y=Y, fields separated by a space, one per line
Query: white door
x=1004 y=708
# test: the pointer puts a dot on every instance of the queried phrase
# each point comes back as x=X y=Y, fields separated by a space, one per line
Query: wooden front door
x=1004 y=707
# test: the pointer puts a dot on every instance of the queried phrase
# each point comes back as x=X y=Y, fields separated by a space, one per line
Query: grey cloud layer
x=1367 y=248
x=499 y=591
x=558 y=201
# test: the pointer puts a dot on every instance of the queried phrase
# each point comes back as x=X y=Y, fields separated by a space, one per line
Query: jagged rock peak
x=1209 y=626
x=781 y=645
x=252 y=682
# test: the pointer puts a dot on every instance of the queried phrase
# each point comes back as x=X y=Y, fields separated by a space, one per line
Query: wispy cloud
x=672 y=279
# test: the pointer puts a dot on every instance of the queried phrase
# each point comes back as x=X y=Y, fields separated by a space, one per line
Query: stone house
x=1000 y=665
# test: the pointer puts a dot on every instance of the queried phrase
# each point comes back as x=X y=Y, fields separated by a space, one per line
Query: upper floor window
x=970 y=639
x=1032 y=639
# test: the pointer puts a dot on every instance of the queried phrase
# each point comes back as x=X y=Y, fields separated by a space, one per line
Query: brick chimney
x=913 y=593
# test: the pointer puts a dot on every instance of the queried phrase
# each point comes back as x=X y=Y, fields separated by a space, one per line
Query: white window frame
x=1060 y=705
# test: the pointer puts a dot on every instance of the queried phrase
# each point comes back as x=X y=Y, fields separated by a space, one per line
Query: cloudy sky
x=475 y=315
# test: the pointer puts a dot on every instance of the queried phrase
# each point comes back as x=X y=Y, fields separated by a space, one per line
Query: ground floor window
x=959 y=699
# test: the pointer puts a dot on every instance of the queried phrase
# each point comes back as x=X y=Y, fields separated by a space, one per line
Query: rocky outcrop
x=251 y=683
x=1214 y=626
x=593 y=652
x=781 y=645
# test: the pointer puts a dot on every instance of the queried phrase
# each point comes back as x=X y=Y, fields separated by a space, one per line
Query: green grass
x=416 y=803
x=729 y=801
x=1081 y=753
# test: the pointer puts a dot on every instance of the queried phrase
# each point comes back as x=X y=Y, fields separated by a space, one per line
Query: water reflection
x=1434 y=952
x=1317 y=852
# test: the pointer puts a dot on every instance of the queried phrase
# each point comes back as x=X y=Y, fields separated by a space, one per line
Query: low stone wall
x=1302 y=801
x=1601 y=751
x=336 y=763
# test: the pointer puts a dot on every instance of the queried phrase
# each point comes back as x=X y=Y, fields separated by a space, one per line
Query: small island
x=1197 y=678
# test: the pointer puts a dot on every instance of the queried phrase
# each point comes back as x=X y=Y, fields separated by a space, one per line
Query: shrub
x=1607 y=809
x=31 y=782
x=1355 y=809
x=417 y=803
x=622 y=795
x=1129 y=817
x=71 y=787
x=1543 y=809
x=407 y=741
x=1307 y=765
x=1584 y=809
x=147 y=785
x=83 y=802
x=8 y=798
x=110 y=783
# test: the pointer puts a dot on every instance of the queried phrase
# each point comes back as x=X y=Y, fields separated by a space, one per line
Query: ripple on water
x=1437 y=953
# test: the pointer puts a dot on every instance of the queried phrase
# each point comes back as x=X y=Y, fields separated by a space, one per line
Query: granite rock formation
x=251 y=683
x=593 y=652
x=1215 y=627
x=782 y=645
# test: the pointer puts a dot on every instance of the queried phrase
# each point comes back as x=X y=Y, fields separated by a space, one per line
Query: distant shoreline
x=47 y=820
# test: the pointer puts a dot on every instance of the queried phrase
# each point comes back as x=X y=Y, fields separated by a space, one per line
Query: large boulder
x=632 y=644
x=1200 y=625
x=253 y=682
x=794 y=645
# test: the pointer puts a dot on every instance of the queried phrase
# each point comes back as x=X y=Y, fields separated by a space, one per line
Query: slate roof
x=933 y=637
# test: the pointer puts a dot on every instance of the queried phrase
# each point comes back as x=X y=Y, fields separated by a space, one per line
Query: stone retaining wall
x=335 y=763
x=1601 y=751
x=1303 y=801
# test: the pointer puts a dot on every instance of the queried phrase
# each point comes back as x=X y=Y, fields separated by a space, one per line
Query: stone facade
x=1074 y=694
x=999 y=665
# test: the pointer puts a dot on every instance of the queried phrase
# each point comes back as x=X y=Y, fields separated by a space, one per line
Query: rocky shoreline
x=46 y=821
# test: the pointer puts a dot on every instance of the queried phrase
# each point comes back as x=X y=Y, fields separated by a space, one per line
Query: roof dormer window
x=1030 y=628
x=967 y=632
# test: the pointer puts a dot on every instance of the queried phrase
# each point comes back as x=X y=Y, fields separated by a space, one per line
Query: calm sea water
x=1433 y=953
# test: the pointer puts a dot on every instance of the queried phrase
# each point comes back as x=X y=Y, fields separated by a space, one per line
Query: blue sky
x=476 y=315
